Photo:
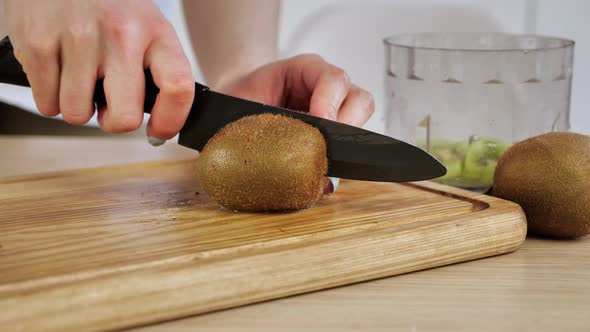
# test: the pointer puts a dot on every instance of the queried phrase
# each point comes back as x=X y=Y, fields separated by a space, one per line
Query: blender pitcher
x=466 y=97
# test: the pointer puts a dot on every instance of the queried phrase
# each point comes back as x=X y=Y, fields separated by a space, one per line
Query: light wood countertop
x=544 y=286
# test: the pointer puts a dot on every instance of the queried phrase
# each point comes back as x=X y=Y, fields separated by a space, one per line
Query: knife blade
x=353 y=153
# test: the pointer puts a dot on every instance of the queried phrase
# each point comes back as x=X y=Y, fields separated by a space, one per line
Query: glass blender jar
x=466 y=97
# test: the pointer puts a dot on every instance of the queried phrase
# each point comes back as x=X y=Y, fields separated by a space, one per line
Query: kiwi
x=549 y=177
x=265 y=162
x=480 y=161
x=469 y=164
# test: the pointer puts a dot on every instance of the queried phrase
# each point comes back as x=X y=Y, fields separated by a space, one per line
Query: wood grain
x=114 y=247
x=544 y=286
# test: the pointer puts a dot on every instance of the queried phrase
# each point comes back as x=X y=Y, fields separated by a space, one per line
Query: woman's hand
x=305 y=83
x=66 y=45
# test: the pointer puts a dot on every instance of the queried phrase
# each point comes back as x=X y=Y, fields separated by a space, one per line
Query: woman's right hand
x=64 y=46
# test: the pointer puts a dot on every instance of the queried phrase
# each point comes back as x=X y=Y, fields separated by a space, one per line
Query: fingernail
x=154 y=141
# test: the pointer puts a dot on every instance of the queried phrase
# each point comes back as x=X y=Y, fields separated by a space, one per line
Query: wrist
x=225 y=77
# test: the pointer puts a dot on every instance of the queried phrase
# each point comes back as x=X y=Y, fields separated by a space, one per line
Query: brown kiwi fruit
x=549 y=177
x=265 y=162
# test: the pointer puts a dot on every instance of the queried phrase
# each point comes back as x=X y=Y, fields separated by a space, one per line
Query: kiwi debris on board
x=549 y=177
x=265 y=162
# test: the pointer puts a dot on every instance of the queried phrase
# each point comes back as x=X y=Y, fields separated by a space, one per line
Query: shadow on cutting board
x=15 y=121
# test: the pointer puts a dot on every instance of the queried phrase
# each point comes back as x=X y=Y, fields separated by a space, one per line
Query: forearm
x=232 y=37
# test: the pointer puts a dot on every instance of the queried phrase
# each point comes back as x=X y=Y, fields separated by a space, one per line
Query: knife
x=353 y=153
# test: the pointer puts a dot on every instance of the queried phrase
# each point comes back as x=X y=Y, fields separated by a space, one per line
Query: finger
x=124 y=87
x=40 y=62
x=357 y=108
x=172 y=74
x=329 y=92
x=78 y=76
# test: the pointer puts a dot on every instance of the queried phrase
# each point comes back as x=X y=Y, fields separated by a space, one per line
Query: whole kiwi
x=265 y=162
x=549 y=177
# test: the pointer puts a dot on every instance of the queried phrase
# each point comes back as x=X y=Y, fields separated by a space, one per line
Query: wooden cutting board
x=115 y=247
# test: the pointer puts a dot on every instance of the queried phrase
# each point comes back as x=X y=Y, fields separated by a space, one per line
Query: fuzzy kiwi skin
x=549 y=177
x=265 y=162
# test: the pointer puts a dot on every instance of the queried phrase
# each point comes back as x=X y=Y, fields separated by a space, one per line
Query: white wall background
x=570 y=18
x=349 y=32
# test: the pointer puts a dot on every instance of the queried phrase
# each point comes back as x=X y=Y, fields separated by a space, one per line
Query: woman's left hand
x=305 y=83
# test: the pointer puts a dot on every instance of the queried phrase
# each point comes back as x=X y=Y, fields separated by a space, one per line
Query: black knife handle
x=11 y=72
